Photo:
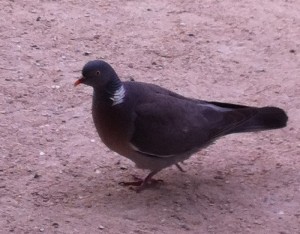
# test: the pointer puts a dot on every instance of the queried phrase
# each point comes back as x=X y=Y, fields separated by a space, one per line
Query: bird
x=157 y=128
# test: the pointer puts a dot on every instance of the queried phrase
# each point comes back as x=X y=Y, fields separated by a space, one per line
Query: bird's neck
x=114 y=92
x=117 y=97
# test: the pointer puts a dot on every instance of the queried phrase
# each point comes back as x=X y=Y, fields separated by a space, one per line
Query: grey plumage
x=156 y=128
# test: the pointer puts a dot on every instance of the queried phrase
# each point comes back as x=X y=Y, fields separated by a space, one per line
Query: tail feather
x=266 y=118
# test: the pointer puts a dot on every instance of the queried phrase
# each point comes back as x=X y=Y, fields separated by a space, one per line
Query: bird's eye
x=98 y=73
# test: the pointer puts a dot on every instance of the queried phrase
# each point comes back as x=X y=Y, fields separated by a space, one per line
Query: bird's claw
x=141 y=184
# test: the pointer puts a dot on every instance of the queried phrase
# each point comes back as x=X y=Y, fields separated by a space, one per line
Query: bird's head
x=97 y=74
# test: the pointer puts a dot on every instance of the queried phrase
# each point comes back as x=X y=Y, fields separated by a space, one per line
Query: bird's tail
x=265 y=118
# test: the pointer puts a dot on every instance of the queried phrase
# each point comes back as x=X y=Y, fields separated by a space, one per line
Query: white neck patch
x=118 y=96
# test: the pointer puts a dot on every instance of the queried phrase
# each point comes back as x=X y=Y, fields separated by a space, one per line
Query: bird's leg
x=179 y=167
x=148 y=181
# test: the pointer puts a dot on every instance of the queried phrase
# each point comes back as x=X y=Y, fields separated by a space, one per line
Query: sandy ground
x=57 y=177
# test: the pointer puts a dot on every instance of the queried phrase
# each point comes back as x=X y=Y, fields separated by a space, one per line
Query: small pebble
x=56 y=225
x=55 y=86
x=292 y=51
x=100 y=227
x=258 y=222
x=35 y=46
x=42 y=153
x=184 y=226
x=281 y=212
x=219 y=177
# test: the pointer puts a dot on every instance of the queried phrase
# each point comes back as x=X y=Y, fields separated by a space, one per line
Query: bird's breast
x=113 y=127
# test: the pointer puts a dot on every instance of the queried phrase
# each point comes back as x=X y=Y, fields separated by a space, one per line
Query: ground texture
x=57 y=177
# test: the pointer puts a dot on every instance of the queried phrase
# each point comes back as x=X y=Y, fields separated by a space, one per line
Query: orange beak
x=79 y=81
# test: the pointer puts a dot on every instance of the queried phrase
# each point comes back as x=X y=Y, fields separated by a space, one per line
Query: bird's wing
x=174 y=126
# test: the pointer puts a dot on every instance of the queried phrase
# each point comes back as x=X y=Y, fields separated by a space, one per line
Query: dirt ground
x=57 y=177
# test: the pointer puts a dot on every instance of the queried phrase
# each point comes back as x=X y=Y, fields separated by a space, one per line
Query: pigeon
x=156 y=128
